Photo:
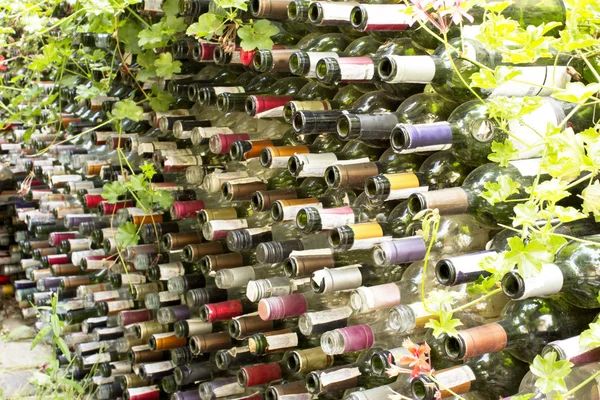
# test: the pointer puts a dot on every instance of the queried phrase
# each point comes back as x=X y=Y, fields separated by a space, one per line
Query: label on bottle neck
x=105 y=296
x=371 y=298
x=385 y=17
x=151 y=147
x=120 y=305
x=79 y=244
x=212 y=182
x=152 y=7
x=171 y=270
x=313 y=252
x=167 y=297
x=55 y=179
x=340 y=375
x=572 y=351
x=530 y=129
x=279 y=162
x=77 y=256
x=333 y=217
x=412 y=69
x=356 y=68
x=238 y=277
x=458 y=379
x=467 y=267
x=97 y=359
x=333 y=280
x=154 y=368
x=228 y=89
x=180 y=162
x=549 y=281
x=313 y=164
x=289 y=212
x=314 y=57
x=366 y=244
x=402 y=357
x=100 y=380
x=281 y=341
x=133 y=279
x=336 y=13
x=223 y=388
x=534 y=81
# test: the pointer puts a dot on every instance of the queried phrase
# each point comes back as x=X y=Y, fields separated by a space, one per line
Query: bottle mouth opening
x=332 y=176
x=235 y=152
x=219 y=55
x=379 y=256
x=290 y=268
x=288 y=112
x=167 y=242
x=298 y=122
x=265 y=155
x=294 y=62
x=178 y=375
x=513 y=285
x=385 y=69
x=379 y=364
x=188 y=255
x=321 y=69
x=257 y=201
x=419 y=390
x=255 y=8
x=250 y=106
x=301 y=219
x=416 y=203
x=371 y=188
x=445 y=272
x=242 y=378
x=194 y=347
x=204 y=97
x=315 y=13
x=293 y=362
x=205 y=265
x=343 y=127
x=335 y=238
x=400 y=138
x=226 y=191
x=221 y=103
x=192 y=93
x=294 y=166
x=454 y=347
x=277 y=212
x=234 y=330
x=292 y=10
x=152 y=343
x=271 y=394
x=357 y=17
x=313 y=383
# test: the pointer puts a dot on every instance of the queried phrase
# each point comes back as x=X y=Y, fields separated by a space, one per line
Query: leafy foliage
x=551 y=373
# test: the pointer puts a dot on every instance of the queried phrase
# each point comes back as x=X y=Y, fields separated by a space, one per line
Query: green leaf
x=577 y=92
x=128 y=109
x=174 y=25
x=590 y=338
x=208 y=26
x=502 y=153
x=566 y=214
x=146 y=59
x=148 y=170
x=151 y=37
x=127 y=235
x=41 y=334
x=170 y=7
x=239 y=4
x=526 y=214
x=500 y=191
x=137 y=182
x=166 y=67
x=112 y=191
x=591 y=200
x=55 y=324
x=497 y=6
x=446 y=324
x=551 y=373
x=164 y=198
x=128 y=34
x=258 y=35
x=488 y=79
x=72 y=384
x=160 y=99
x=550 y=191
x=528 y=258
x=63 y=347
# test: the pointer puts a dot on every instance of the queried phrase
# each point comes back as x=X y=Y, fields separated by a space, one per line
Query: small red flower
x=418 y=358
x=2 y=66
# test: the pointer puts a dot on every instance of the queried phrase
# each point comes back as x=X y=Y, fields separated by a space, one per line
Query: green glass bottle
x=572 y=276
x=422 y=108
x=468 y=198
x=497 y=374
x=316 y=122
x=524 y=328
x=470 y=131
x=446 y=69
